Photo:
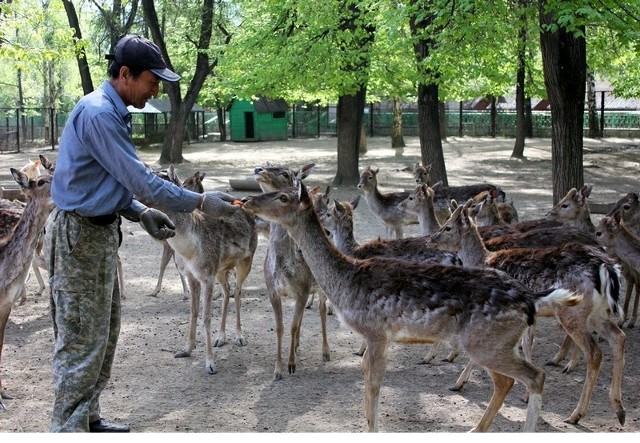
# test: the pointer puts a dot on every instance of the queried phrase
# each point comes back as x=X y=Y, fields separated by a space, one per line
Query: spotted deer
x=286 y=273
x=384 y=205
x=16 y=252
x=338 y=221
x=208 y=249
x=583 y=269
x=388 y=300
x=612 y=233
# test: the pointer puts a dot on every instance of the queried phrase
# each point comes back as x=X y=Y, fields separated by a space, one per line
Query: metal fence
x=43 y=126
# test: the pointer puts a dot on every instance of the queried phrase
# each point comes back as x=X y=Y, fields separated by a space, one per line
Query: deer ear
x=355 y=201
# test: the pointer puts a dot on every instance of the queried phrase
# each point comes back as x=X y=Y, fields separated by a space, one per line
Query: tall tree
x=355 y=22
x=204 y=65
x=564 y=60
x=81 y=54
x=422 y=17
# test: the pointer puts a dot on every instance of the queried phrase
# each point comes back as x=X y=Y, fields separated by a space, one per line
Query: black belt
x=103 y=220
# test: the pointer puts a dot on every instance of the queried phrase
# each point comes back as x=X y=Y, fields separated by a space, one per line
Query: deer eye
x=286 y=175
x=284 y=198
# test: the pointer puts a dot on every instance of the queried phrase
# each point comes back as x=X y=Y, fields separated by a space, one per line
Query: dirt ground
x=155 y=392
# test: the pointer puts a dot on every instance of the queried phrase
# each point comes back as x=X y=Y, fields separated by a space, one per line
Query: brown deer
x=628 y=208
x=286 y=273
x=584 y=269
x=16 y=252
x=338 y=222
x=389 y=300
x=384 y=205
x=612 y=233
x=208 y=249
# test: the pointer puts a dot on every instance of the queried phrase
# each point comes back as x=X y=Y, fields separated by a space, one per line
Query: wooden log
x=245 y=184
x=12 y=194
x=600 y=208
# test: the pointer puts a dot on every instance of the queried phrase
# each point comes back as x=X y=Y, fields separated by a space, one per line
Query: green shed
x=261 y=119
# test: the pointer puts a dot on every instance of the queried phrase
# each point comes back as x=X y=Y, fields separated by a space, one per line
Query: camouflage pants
x=85 y=306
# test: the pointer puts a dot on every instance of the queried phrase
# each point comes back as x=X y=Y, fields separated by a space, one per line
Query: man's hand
x=157 y=224
x=218 y=204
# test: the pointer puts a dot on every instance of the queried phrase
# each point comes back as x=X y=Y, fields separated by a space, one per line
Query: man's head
x=135 y=51
x=137 y=68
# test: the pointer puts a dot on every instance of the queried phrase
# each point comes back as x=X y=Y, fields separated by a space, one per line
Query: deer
x=321 y=202
x=627 y=208
x=420 y=202
x=207 y=249
x=384 y=205
x=338 y=222
x=444 y=195
x=192 y=183
x=286 y=272
x=389 y=300
x=583 y=269
x=16 y=252
x=612 y=233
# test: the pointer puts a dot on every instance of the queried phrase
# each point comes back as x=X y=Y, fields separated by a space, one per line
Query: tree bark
x=397 y=138
x=81 y=55
x=594 y=126
x=565 y=64
x=494 y=117
x=521 y=129
x=350 y=113
x=222 y=127
x=428 y=102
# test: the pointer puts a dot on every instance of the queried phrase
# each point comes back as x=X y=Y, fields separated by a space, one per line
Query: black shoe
x=103 y=425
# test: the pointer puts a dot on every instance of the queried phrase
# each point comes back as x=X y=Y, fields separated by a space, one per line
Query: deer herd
x=475 y=278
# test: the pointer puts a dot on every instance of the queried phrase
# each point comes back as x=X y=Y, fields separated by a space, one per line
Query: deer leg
x=575 y=358
x=455 y=351
x=432 y=353
x=193 y=321
x=242 y=272
x=363 y=347
x=374 y=366
x=207 y=294
x=223 y=279
x=296 y=325
x=463 y=377
x=617 y=340
x=5 y=310
x=167 y=254
x=634 y=316
x=310 y=301
x=276 y=304
x=323 y=323
x=562 y=352
x=501 y=387
x=593 y=358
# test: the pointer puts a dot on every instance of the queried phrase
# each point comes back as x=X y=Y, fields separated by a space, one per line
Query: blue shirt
x=97 y=168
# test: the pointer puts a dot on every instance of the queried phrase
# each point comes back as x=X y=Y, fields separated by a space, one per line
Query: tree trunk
x=494 y=117
x=565 y=63
x=428 y=103
x=81 y=55
x=397 y=138
x=222 y=127
x=362 y=144
x=429 y=132
x=350 y=112
x=521 y=129
x=442 y=118
x=528 y=117
x=594 y=126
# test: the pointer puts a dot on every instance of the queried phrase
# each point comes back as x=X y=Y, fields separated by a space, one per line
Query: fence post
x=602 y=114
x=18 y=128
x=52 y=130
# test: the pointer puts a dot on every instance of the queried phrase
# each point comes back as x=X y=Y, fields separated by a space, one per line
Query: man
x=97 y=175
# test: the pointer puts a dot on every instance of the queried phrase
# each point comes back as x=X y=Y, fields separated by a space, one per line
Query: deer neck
x=17 y=253
x=344 y=239
x=626 y=245
x=584 y=222
x=330 y=268
x=427 y=219
x=473 y=252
